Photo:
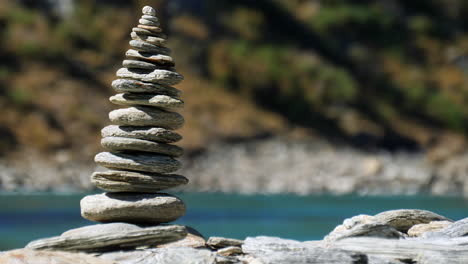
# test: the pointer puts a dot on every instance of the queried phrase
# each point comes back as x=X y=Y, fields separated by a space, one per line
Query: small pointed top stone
x=148 y=10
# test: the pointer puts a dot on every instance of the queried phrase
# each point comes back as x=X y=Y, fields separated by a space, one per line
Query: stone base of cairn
x=140 y=155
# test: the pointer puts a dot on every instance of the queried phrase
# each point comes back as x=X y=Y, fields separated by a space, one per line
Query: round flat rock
x=146 y=162
x=147 y=22
x=148 y=10
x=135 y=86
x=152 y=29
x=137 y=64
x=147 y=47
x=158 y=58
x=130 y=144
x=158 y=41
x=156 y=76
x=403 y=219
x=146 y=116
x=143 y=31
x=132 y=208
x=109 y=237
x=150 y=18
x=163 y=101
x=129 y=181
x=157 y=134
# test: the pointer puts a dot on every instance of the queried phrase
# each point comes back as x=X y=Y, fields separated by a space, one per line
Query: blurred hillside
x=376 y=75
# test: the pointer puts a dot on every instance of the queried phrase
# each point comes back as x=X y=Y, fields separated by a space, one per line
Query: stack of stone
x=140 y=154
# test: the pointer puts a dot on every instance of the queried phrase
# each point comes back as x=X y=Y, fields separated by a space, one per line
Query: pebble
x=157 y=76
x=148 y=10
x=146 y=162
x=151 y=29
x=163 y=101
x=222 y=242
x=147 y=22
x=158 y=59
x=229 y=251
x=349 y=223
x=150 y=18
x=136 y=64
x=148 y=133
x=365 y=230
x=112 y=236
x=146 y=116
x=133 y=144
x=147 y=47
x=418 y=230
x=404 y=219
x=132 y=208
x=142 y=31
x=134 y=86
x=158 y=41
x=131 y=181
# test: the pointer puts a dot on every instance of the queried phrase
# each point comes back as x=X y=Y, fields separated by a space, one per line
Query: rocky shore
x=259 y=166
x=391 y=237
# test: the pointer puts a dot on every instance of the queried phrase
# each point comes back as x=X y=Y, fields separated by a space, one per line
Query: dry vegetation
x=375 y=74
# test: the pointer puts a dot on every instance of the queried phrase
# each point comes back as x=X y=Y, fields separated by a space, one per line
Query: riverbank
x=397 y=236
x=272 y=165
x=301 y=218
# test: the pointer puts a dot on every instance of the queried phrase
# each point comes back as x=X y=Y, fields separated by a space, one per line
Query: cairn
x=139 y=154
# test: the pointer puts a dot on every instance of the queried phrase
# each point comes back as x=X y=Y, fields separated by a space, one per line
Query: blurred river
x=25 y=217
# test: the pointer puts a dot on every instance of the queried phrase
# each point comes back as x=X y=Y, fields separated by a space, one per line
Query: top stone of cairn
x=148 y=10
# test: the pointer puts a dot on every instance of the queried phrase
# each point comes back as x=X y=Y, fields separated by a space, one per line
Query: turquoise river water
x=25 y=217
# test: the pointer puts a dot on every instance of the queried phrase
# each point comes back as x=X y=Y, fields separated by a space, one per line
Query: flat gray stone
x=222 y=242
x=147 y=47
x=132 y=208
x=137 y=64
x=29 y=256
x=172 y=255
x=272 y=250
x=150 y=18
x=154 y=58
x=156 y=100
x=146 y=116
x=410 y=250
x=402 y=220
x=146 y=162
x=158 y=41
x=108 y=237
x=101 y=229
x=152 y=29
x=349 y=223
x=453 y=230
x=146 y=33
x=143 y=31
x=148 y=10
x=130 y=181
x=147 y=22
x=130 y=144
x=365 y=230
x=156 y=76
x=134 y=86
x=157 y=134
